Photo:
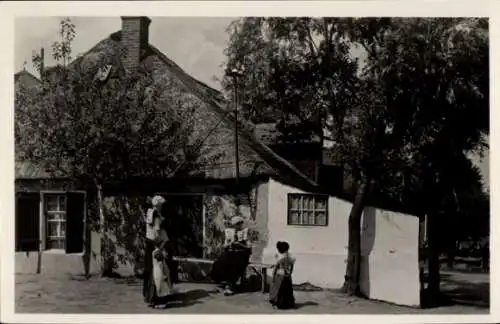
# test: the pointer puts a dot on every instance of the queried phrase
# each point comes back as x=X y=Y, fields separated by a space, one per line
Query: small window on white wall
x=307 y=209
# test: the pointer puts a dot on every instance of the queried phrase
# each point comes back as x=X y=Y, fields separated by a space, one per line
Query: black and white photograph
x=307 y=164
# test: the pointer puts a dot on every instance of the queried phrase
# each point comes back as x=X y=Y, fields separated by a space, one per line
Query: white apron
x=161 y=277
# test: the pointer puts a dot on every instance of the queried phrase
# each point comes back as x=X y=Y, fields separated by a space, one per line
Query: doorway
x=184 y=216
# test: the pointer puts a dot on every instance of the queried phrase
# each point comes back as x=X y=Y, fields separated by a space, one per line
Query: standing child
x=281 y=294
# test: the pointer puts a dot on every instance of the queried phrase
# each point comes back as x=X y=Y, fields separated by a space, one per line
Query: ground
x=39 y=293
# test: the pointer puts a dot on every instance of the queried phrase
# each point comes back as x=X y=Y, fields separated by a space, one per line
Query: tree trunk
x=353 y=268
x=434 y=263
x=107 y=263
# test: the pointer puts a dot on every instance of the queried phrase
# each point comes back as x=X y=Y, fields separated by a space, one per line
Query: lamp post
x=235 y=73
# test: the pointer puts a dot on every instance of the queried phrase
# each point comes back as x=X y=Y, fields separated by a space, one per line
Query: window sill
x=308 y=225
x=62 y=252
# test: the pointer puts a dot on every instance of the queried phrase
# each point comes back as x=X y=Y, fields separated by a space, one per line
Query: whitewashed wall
x=320 y=251
x=389 y=269
x=55 y=263
x=389 y=244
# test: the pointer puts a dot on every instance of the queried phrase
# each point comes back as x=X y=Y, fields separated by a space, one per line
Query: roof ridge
x=180 y=69
x=25 y=72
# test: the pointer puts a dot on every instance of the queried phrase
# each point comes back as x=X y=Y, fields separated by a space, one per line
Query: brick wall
x=135 y=38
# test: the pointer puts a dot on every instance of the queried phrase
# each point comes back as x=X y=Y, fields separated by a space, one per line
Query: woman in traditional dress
x=230 y=267
x=161 y=286
x=155 y=236
x=281 y=293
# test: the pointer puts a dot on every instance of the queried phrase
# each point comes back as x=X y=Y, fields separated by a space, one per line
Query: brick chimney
x=135 y=39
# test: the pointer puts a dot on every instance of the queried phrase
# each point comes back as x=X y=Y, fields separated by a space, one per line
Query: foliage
x=85 y=124
x=126 y=226
x=82 y=127
x=218 y=212
x=403 y=114
x=125 y=217
x=99 y=131
x=436 y=83
x=214 y=237
x=437 y=103
x=402 y=99
x=62 y=50
x=299 y=71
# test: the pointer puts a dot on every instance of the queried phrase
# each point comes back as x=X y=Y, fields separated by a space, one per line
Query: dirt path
x=466 y=288
x=96 y=295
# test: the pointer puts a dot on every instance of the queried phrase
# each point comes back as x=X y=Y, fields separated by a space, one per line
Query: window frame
x=44 y=221
x=61 y=210
x=290 y=196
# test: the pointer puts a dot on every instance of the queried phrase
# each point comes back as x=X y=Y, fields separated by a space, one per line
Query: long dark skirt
x=281 y=293
x=148 y=285
x=230 y=266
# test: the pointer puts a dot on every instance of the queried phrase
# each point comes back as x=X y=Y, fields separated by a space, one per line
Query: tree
x=436 y=78
x=94 y=122
x=297 y=67
x=466 y=213
x=418 y=102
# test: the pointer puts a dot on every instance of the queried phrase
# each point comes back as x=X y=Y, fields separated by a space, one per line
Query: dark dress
x=233 y=261
x=230 y=266
x=148 y=270
x=281 y=293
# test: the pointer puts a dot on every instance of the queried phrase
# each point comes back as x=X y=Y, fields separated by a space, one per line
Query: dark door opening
x=184 y=216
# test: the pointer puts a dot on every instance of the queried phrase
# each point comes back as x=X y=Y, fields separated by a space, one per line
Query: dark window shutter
x=75 y=213
x=27 y=221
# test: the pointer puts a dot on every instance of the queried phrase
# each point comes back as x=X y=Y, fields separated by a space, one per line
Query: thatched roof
x=214 y=122
x=28 y=170
x=25 y=79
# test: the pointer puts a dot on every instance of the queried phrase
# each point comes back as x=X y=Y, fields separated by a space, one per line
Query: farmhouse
x=279 y=194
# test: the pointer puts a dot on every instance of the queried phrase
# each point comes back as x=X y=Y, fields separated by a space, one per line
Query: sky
x=196 y=44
